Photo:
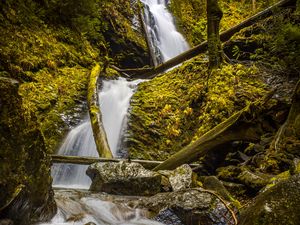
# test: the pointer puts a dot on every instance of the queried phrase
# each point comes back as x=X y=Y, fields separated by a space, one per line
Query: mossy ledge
x=185 y=106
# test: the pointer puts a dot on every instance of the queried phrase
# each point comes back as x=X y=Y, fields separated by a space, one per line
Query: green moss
x=165 y=119
x=274 y=42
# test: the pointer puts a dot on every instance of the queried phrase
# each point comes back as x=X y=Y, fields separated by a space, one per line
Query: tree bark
x=214 y=16
x=95 y=115
x=244 y=125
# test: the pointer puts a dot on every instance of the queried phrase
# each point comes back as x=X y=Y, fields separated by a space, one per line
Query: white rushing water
x=166 y=40
x=79 y=208
x=114 y=102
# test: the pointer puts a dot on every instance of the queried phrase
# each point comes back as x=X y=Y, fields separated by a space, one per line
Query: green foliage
x=279 y=45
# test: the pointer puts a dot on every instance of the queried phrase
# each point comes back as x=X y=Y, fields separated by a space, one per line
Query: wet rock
x=192 y=206
x=277 y=205
x=181 y=178
x=124 y=179
x=168 y=216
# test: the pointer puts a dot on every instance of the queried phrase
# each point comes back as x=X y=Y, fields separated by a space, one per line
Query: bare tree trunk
x=214 y=16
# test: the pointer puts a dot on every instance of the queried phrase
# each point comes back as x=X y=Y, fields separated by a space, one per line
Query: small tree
x=214 y=16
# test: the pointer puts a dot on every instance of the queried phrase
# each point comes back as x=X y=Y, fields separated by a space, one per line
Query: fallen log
x=201 y=48
x=84 y=160
x=243 y=125
x=95 y=115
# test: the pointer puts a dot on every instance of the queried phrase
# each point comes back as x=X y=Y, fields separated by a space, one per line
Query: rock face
x=124 y=179
x=192 y=206
x=26 y=195
x=278 y=205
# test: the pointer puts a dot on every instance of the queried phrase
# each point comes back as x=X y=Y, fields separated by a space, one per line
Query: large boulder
x=190 y=206
x=26 y=195
x=124 y=178
x=279 y=204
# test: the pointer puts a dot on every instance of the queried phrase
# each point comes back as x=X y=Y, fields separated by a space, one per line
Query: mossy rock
x=277 y=205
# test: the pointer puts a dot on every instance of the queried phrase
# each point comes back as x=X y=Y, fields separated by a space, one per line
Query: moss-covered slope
x=171 y=110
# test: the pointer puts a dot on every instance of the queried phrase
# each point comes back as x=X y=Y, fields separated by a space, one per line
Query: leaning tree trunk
x=214 y=16
x=245 y=125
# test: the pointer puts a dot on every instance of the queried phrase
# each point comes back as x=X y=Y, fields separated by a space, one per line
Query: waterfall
x=114 y=97
x=166 y=41
x=114 y=102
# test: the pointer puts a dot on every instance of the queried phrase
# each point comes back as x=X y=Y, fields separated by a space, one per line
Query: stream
x=78 y=207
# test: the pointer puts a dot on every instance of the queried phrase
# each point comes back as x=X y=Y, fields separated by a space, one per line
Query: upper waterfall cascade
x=166 y=41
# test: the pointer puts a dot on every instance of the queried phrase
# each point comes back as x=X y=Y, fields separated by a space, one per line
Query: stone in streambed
x=181 y=178
x=124 y=178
